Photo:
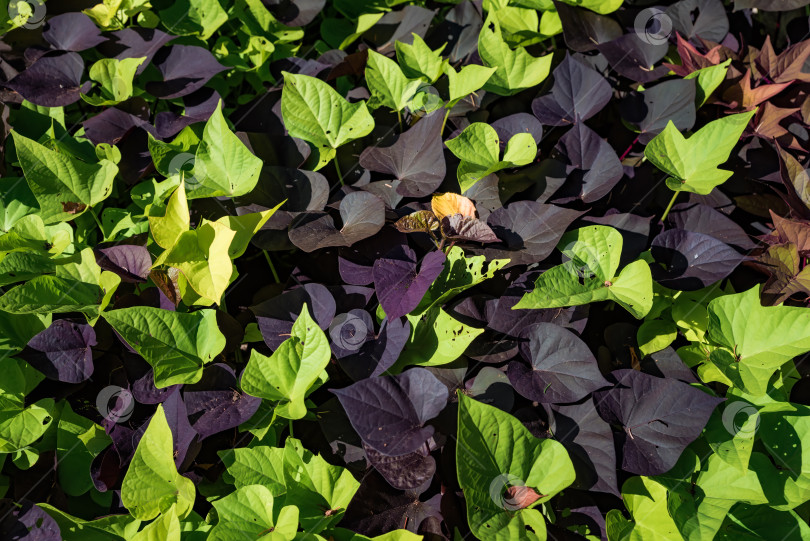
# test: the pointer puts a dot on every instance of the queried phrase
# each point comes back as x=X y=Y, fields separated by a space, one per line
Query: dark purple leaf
x=129 y=261
x=415 y=159
x=459 y=227
x=349 y=331
x=579 y=92
x=651 y=110
x=711 y=22
x=583 y=29
x=72 y=32
x=111 y=126
x=658 y=418
x=398 y=285
x=589 y=441
x=295 y=12
x=24 y=521
x=62 y=351
x=215 y=403
x=511 y=125
x=689 y=261
x=667 y=364
x=562 y=368
x=379 y=353
x=704 y=219
x=528 y=230
x=389 y=412
x=275 y=316
x=406 y=472
x=486 y=195
x=378 y=508
x=185 y=69
x=591 y=164
x=362 y=214
x=635 y=58
x=142 y=381
x=137 y=42
x=182 y=432
x=356 y=264
x=409 y=20
x=52 y=81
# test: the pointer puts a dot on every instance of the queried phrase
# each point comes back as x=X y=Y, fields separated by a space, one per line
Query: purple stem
x=626 y=152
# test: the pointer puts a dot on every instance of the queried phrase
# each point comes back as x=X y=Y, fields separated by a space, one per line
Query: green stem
x=272 y=267
x=399 y=117
x=446 y=114
x=98 y=222
x=291 y=430
x=669 y=207
x=339 y=174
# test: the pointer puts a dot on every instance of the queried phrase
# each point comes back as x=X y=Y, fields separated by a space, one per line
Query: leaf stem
x=291 y=429
x=626 y=152
x=446 y=114
x=339 y=174
x=272 y=267
x=669 y=207
x=399 y=117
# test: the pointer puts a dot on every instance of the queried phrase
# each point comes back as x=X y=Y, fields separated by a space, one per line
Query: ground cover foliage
x=353 y=269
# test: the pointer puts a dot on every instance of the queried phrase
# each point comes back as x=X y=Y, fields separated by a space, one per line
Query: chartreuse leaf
x=289 y=373
x=315 y=112
x=300 y=477
x=417 y=60
x=244 y=227
x=223 y=165
x=753 y=522
x=708 y=79
x=79 y=285
x=467 y=80
x=436 y=339
x=516 y=69
x=201 y=17
x=249 y=512
x=109 y=528
x=175 y=221
x=757 y=339
x=63 y=186
x=731 y=434
x=316 y=487
x=654 y=335
x=114 y=78
x=459 y=273
x=693 y=163
x=387 y=84
x=177 y=345
x=494 y=453
x=590 y=275
x=202 y=256
x=30 y=234
x=21 y=425
x=478 y=148
x=785 y=430
x=342 y=534
x=17 y=329
x=152 y=484
x=646 y=500
x=164 y=528
x=78 y=441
